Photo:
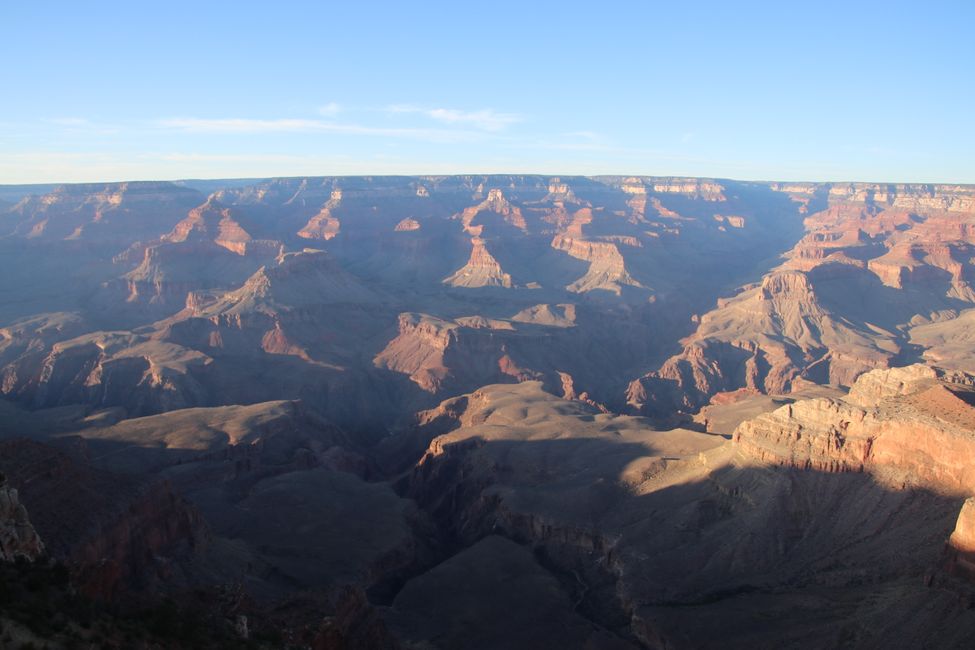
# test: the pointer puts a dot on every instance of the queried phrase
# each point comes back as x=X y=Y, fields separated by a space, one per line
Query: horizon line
x=255 y=179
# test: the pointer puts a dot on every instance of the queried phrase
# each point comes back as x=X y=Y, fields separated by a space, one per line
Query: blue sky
x=749 y=90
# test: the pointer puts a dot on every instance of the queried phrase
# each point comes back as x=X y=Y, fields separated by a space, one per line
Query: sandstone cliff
x=908 y=425
x=481 y=270
x=324 y=225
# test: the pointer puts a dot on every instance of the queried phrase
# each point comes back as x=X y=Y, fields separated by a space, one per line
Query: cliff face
x=481 y=270
x=495 y=204
x=324 y=225
x=110 y=369
x=908 y=425
x=766 y=339
x=212 y=222
x=117 y=534
x=209 y=249
x=607 y=269
x=18 y=539
x=441 y=356
x=960 y=549
x=118 y=212
x=875 y=262
x=908 y=428
x=649 y=523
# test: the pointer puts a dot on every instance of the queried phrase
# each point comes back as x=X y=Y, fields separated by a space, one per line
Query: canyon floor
x=487 y=412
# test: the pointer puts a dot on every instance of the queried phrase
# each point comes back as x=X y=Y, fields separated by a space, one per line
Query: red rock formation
x=481 y=270
x=114 y=212
x=408 y=224
x=912 y=429
x=212 y=222
x=494 y=203
x=440 y=355
x=607 y=269
x=692 y=187
x=140 y=373
x=911 y=238
x=960 y=549
x=324 y=225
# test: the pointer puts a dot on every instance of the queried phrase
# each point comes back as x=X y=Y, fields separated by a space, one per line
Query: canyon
x=493 y=411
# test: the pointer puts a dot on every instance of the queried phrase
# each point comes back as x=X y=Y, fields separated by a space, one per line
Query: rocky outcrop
x=18 y=539
x=481 y=270
x=907 y=235
x=561 y=315
x=118 y=535
x=212 y=222
x=607 y=269
x=324 y=225
x=905 y=426
x=947 y=198
x=960 y=549
x=647 y=525
x=136 y=372
x=22 y=340
x=356 y=623
x=115 y=212
x=874 y=387
x=292 y=282
x=408 y=224
x=424 y=347
x=875 y=261
x=209 y=249
x=691 y=187
x=497 y=204
x=764 y=339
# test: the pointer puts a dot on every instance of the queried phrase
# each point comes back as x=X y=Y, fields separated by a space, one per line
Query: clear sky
x=873 y=91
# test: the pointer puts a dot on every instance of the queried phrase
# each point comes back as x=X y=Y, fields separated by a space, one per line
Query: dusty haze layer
x=382 y=412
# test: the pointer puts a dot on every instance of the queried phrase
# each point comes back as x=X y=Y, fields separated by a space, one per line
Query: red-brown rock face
x=212 y=222
x=407 y=225
x=607 y=270
x=497 y=204
x=875 y=261
x=324 y=225
x=119 y=212
x=481 y=270
x=960 y=549
x=910 y=427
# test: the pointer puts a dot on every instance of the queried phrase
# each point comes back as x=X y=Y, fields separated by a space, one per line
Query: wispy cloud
x=69 y=121
x=330 y=109
x=300 y=125
x=592 y=136
x=486 y=119
x=75 y=125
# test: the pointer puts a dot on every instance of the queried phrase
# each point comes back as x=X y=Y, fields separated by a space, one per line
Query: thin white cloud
x=300 y=125
x=485 y=119
x=584 y=135
x=246 y=125
x=75 y=126
x=330 y=109
x=69 y=121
